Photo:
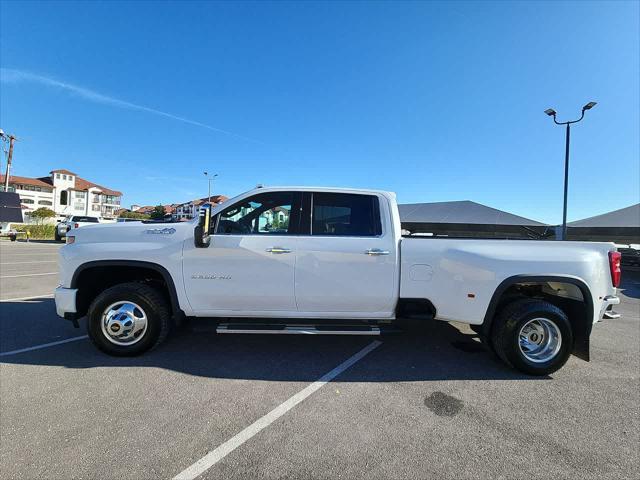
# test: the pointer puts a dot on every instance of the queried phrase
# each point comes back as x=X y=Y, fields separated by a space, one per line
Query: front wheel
x=534 y=336
x=128 y=319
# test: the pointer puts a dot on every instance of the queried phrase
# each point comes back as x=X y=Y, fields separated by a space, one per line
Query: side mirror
x=201 y=237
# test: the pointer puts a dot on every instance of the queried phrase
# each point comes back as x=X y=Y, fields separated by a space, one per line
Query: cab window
x=263 y=214
x=345 y=215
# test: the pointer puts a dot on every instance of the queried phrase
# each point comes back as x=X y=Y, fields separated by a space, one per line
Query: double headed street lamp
x=552 y=113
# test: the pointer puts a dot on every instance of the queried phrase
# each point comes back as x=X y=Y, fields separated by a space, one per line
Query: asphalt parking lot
x=428 y=405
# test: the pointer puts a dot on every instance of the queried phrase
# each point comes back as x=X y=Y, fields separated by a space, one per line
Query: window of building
x=81 y=194
x=95 y=208
x=262 y=214
x=64 y=177
x=28 y=201
x=340 y=214
x=44 y=202
x=64 y=197
x=71 y=177
x=58 y=176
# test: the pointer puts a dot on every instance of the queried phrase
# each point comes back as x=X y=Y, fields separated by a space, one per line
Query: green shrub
x=37 y=232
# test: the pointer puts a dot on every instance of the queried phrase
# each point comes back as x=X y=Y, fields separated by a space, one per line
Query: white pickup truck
x=328 y=260
x=71 y=223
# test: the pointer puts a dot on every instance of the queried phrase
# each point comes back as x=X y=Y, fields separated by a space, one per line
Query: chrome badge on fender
x=161 y=231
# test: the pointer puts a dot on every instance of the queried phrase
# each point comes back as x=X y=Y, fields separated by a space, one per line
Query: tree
x=158 y=213
x=42 y=213
x=136 y=215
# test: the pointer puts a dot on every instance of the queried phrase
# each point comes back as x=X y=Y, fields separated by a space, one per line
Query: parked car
x=332 y=261
x=122 y=220
x=630 y=255
x=71 y=223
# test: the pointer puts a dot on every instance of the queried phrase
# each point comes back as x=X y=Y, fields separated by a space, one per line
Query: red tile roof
x=82 y=184
x=38 y=182
x=62 y=171
x=215 y=199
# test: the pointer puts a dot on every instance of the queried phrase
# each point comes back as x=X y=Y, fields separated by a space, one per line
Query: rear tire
x=128 y=319
x=533 y=336
x=56 y=235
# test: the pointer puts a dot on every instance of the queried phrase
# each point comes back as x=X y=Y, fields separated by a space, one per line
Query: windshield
x=84 y=219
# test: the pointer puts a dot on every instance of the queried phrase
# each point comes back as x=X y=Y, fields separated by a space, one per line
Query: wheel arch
x=137 y=266
x=581 y=318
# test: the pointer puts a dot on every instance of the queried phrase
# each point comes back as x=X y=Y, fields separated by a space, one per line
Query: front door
x=248 y=268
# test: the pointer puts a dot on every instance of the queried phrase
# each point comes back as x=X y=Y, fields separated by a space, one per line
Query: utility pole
x=12 y=140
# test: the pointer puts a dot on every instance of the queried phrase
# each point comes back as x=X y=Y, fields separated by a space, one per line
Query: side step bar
x=298 y=329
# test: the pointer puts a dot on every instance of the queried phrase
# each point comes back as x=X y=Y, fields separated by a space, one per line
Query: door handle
x=374 y=252
x=278 y=250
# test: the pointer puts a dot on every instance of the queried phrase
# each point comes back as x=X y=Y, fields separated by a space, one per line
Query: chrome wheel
x=540 y=340
x=124 y=323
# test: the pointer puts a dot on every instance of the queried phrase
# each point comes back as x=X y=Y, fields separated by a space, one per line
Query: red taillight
x=77 y=225
x=614 y=265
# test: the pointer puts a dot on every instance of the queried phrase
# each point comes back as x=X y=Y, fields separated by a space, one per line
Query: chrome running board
x=297 y=329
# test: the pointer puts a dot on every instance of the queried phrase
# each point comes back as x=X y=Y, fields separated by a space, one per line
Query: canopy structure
x=468 y=219
x=622 y=226
x=10 y=208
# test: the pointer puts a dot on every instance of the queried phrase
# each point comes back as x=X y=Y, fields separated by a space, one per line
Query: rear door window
x=343 y=214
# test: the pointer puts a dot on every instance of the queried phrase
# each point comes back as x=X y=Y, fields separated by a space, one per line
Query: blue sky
x=436 y=101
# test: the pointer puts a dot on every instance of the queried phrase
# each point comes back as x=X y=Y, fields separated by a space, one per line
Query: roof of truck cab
x=298 y=188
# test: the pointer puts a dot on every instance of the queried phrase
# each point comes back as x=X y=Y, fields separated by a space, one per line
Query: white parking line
x=29 y=275
x=33 y=254
x=214 y=456
x=44 y=345
x=21 y=299
x=25 y=263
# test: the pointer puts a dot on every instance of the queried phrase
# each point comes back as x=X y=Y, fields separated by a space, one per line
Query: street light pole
x=552 y=113
x=210 y=179
x=566 y=181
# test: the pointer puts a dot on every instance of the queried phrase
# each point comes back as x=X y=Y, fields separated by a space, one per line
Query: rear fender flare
x=581 y=334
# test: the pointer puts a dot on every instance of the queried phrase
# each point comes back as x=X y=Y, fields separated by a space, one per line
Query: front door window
x=262 y=214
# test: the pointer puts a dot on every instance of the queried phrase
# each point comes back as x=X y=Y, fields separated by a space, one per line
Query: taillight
x=614 y=265
x=77 y=225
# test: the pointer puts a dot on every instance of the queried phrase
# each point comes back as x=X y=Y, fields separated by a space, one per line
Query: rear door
x=346 y=264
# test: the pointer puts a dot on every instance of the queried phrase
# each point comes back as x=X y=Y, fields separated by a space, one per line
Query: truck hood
x=126 y=232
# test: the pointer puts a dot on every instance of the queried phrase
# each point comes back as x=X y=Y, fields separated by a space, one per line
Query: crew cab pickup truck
x=72 y=222
x=328 y=260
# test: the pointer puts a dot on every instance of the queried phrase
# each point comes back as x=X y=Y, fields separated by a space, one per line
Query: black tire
x=506 y=330
x=56 y=235
x=151 y=302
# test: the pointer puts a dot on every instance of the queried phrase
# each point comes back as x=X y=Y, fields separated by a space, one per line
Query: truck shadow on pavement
x=436 y=351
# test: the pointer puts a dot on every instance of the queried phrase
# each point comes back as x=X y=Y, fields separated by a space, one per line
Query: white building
x=187 y=210
x=66 y=194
